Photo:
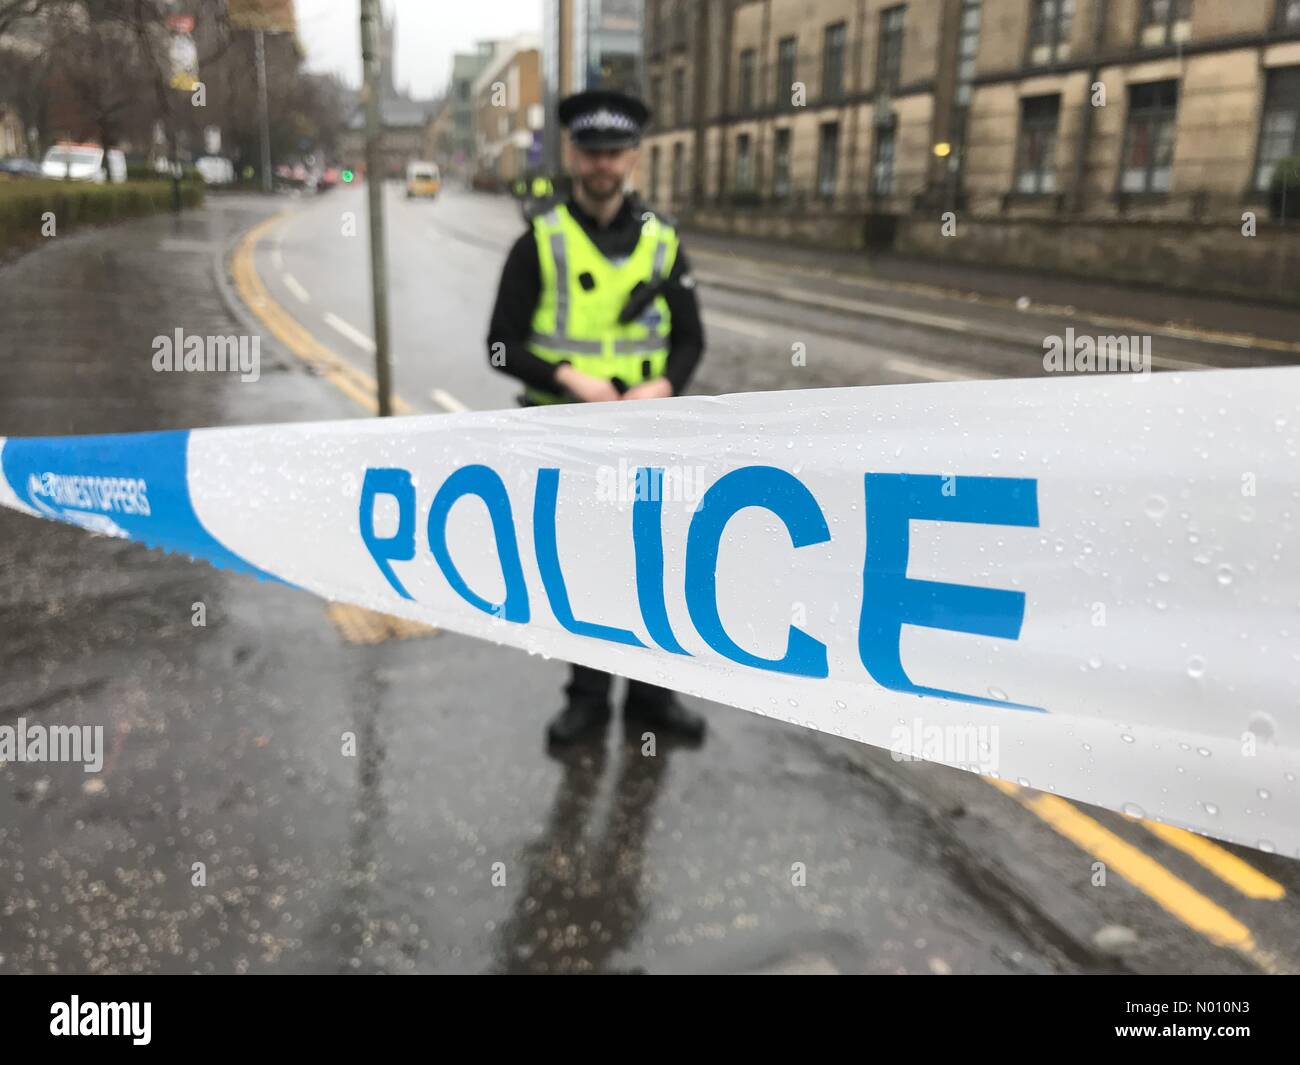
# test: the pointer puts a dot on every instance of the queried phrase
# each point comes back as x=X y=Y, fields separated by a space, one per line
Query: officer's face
x=602 y=174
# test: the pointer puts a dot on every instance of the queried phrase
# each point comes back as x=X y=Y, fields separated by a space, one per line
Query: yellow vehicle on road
x=423 y=179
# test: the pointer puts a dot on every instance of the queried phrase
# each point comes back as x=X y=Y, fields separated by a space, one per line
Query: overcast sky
x=428 y=32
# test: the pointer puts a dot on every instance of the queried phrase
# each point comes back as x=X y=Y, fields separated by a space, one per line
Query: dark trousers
x=593 y=685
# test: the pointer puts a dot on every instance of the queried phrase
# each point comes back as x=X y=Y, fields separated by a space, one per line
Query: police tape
x=1090 y=586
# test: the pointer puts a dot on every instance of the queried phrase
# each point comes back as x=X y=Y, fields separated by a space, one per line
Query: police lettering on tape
x=1094 y=576
x=890 y=600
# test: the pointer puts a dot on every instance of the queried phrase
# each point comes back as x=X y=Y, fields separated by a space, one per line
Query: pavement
x=291 y=789
x=1007 y=285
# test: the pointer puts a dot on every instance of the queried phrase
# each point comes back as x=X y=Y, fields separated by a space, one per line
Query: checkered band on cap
x=604 y=119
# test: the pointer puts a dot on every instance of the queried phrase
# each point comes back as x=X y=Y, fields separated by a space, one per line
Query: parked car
x=83 y=162
x=328 y=179
x=20 y=168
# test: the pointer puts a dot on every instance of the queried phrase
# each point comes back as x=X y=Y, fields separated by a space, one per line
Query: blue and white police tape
x=1087 y=585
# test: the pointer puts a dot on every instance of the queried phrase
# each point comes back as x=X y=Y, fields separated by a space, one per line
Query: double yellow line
x=1173 y=894
x=353 y=623
x=353 y=383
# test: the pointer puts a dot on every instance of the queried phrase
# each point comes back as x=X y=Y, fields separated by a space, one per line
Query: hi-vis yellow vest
x=579 y=323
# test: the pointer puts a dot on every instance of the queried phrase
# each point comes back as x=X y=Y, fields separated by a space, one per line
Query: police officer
x=542 y=188
x=597 y=304
x=530 y=191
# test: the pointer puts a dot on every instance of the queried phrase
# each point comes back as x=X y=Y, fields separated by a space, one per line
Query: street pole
x=176 y=172
x=259 y=42
x=375 y=191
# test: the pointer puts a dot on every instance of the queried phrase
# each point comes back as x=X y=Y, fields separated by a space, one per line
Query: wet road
x=276 y=797
x=769 y=325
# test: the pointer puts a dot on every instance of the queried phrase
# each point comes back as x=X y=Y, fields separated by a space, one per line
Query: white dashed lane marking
x=292 y=284
x=447 y=401
x=350 y=331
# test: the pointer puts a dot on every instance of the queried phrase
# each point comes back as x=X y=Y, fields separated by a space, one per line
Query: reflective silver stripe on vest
x=561 y=282
x=556 y=342
x=552 y=220
x=632 y=347
x=661 y=253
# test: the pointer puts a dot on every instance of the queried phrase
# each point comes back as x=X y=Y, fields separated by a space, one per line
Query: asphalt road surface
x=232 y=830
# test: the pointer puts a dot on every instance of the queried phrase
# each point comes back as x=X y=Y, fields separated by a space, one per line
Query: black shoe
x=577 y=721
x=665 y=715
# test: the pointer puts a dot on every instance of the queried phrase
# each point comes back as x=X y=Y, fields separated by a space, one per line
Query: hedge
x=137 y=171
x=24 y=203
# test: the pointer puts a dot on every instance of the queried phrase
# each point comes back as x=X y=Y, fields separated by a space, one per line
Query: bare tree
x=14 y=11
x=24 y=85
x=102 y=69
x=96 y=73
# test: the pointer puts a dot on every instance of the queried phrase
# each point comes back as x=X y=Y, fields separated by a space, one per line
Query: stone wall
x=843 y=230
x=1211 y=258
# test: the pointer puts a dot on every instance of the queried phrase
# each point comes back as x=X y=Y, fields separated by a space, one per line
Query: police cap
x=603 y=119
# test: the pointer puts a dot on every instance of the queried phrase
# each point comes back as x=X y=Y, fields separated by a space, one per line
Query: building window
x=744 y=163
x=833 y=61
x=781 y=165
x=785 y=55
x=1049 y=31
x=1279 y=133
x=828 y=159
x=1165 y=22
x=882 y=162
x=680 y=24
x=656 y=98
x=1149 y=137
x=1036 y=159
x=654 y=174
x=747 y=81
x=657 y=25
x=889 y=57
x=967 y=45
x=1288 y=14
x=679 y=96
x=679 y=174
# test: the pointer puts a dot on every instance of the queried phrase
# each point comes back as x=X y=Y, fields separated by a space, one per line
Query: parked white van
x=215 y=169
x=83 y=162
